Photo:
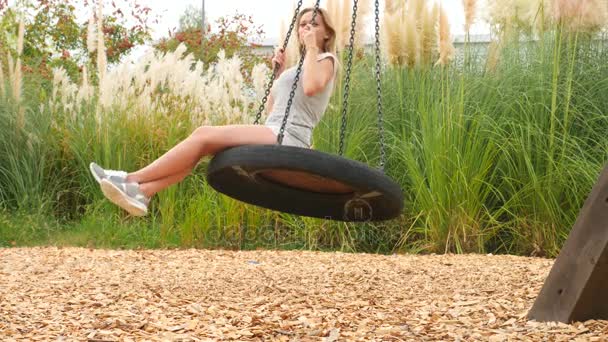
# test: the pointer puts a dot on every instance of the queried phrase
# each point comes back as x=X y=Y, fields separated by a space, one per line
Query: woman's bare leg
x=151 y=188
x=176 y=164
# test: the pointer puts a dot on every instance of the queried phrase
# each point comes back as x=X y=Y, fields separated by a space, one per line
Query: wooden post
x=575 y=289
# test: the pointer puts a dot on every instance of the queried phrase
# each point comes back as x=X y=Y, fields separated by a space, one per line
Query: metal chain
x=347 y=81
x=379 y=89
x=295 y=82
x=276 y=66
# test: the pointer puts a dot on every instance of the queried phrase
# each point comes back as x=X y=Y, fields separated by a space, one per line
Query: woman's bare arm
x=317 y=74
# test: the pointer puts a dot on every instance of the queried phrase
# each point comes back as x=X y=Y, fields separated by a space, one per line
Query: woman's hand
x=309 y=39
x=279 y=60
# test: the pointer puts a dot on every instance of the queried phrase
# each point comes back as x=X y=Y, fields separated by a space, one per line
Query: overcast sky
x=268 y=13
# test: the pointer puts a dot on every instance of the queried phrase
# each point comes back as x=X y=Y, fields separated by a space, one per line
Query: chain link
x=379 y=89
x=295 y=82
x=348 y=71
x=276 y=66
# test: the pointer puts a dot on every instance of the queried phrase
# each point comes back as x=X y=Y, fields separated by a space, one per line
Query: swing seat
x=305 y=182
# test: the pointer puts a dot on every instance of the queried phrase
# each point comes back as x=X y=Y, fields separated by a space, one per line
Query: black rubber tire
x=222 y=175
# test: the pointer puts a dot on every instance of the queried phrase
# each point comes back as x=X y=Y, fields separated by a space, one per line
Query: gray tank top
x=305 y=112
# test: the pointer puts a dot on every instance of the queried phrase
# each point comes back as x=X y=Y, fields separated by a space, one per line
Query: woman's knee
x=202 y=132
x=201 y=137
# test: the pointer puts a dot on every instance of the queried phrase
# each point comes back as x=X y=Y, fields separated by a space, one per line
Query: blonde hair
x=330 y=43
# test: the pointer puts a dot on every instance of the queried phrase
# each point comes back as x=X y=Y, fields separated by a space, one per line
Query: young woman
x=132 y=191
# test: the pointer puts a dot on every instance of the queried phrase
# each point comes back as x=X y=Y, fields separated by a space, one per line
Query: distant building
x=267 y=46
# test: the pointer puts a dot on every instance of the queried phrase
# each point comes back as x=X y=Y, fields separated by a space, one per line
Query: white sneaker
x=125 y=195
x=99 y=173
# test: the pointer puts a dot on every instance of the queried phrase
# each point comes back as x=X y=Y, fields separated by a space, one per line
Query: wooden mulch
x=192 y=295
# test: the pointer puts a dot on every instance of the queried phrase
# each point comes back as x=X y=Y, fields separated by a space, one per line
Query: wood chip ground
x=76 y=294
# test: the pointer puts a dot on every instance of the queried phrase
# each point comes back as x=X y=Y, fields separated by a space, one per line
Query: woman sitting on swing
x=132 y=191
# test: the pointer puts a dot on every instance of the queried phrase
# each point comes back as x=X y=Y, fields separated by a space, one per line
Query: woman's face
x=306 y=26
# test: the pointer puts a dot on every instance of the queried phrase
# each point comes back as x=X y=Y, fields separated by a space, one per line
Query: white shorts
x=292 y=136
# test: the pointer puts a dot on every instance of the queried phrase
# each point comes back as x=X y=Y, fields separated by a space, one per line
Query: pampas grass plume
x=469 y=13
x=363 y=13
x=428 y=34
x=581 y=15
x=392 y=35
x=101 y=48
x=91 y=35
x=412 y=43
x=17 y=77
x=446 y=47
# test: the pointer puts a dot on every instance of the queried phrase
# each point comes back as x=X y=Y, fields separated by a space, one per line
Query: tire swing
x=304 y=181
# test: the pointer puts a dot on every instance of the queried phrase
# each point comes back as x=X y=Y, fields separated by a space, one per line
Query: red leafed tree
x=56 y=36
x=235 y=34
